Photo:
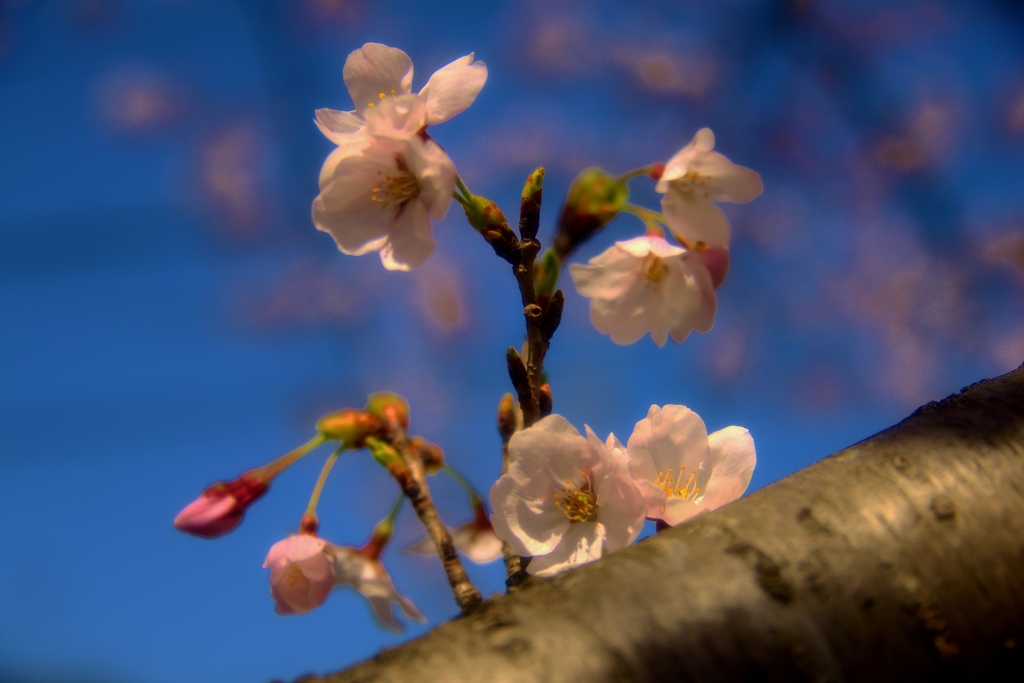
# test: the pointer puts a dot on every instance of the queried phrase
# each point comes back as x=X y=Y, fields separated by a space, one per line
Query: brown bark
x=413 y=482
x=900 y=558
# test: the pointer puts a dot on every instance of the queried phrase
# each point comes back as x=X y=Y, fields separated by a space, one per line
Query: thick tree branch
x=900 y=558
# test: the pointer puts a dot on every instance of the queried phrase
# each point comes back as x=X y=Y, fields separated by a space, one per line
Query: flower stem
x=271 y=470
x=646 y=215
x=462 y=188
x=459 y=198
x=643 y=170
x=463 y=482
x=315 y=498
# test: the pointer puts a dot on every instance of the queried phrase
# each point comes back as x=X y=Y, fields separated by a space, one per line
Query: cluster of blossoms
x=563 y=498
x=569 y=499
x=304 y=568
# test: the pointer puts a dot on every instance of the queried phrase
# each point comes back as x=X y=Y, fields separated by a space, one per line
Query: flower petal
x=530 y=528
x=385 y=614
x=375 y=71
x=338 y=126
x=724 y=181
x=640 y=247
x=543 y=457
x=453 y=88
x=396 y=118
x=582 y=543
x=733 y=459
x=694 y=218
x=354 y=233
x=679 y=165
x=621 y=509
x=435 y=173
x=410 y=241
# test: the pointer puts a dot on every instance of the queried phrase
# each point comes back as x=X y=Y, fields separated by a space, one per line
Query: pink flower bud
x=716 y=260
x=221 y=507
x=301 y=573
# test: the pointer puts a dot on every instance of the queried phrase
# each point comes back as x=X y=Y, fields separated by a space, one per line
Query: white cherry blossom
x=367 y=575
x=647 y=285
x=694 y=178
x=681 y=470
x=379 y=190
x=376 y=72
x=567 y=499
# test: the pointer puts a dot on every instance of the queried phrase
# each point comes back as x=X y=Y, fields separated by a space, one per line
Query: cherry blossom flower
x=302 y=573
x=567 y=499
x=375 y=73
x=682 y=471
x=648 y=285
x=694 y=178
x=380 y=190
x=363 y=570
x=221 y=507
x=475 y=539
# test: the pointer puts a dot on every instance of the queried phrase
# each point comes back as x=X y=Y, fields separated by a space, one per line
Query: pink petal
x=375 y=70
x=582 y=543
x=695 y=219
x=453 y=88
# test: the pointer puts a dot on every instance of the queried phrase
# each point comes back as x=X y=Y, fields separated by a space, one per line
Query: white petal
x=348 y=149
x=354 y=233
x=582 y=543
x=374 y=70
x=435 y=173
x=605 y=281
x=543 y=457
x=678 y=510
x=669 y=438
x=518 y=519
x=385 y=615
x=621 y=510
x=689 y=298
x=480 y=545
x=338 y=126
x=410 y=241
x=452 y=88
x=624 y=318
x=723 y=180
x=679 y=165
x=732 y=460
x=695 y=218
x=642 y=246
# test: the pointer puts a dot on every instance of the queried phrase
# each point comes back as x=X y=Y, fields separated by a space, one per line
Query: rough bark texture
x=900 y=558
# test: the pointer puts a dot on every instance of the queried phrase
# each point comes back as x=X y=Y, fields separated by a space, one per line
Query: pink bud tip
x=221 y=507
x=656 y=171
x=717 y=261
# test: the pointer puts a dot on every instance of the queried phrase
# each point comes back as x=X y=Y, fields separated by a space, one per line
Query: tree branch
x=900 y=558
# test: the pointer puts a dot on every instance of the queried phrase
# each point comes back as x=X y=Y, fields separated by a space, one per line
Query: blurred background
x=169 y=317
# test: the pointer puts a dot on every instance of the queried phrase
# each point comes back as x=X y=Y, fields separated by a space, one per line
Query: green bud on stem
x=595 y=198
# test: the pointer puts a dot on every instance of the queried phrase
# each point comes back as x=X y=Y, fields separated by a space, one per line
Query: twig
x=406 y=467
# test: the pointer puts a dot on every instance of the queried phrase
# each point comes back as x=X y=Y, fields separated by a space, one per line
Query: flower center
x=578 y=504
x=395 y=188
x=692 y=183
x=381 y=96
x=677 y=487
x=654 y=270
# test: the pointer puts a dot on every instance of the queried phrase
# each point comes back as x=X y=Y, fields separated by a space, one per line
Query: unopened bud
x=221 y=507
x=529 y=206
x=390 y=407
x=384 y=453
x=594 y=199
x=545 y=399
x=546 y=270
x=349 y=426
x=715 y=259
x=506 y=417
x=430 y=454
